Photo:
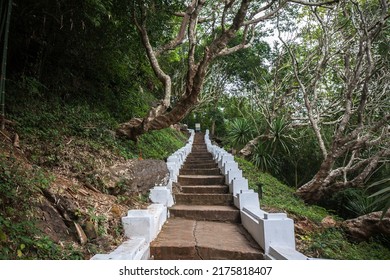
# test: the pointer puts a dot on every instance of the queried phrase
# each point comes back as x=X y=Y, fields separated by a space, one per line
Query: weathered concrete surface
x=206 y=213
x=193 y=240
x=204 y=224
x=199 y=171
x=204 y=199
x=205 y=189
x=190 y=180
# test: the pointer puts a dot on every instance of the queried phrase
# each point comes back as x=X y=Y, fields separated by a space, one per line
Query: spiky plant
x=239 y=132
x=382 y=196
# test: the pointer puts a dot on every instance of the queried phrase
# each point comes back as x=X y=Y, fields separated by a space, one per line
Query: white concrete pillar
x=247 y=199
x=238 y=185
x=138 y=223
x=232 y=174
x=161 y=195
x=229 y=165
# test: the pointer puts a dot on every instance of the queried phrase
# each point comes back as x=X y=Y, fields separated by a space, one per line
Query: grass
x=320 y=242
x=278 y=195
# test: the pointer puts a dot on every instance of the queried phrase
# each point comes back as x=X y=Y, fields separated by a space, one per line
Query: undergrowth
x=328 y=243
x=19 y=236
x=54 y=135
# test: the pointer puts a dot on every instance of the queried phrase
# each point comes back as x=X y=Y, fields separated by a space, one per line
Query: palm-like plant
x=381 y=197
x=262 y=158
x=239 y=132
x=279 y=136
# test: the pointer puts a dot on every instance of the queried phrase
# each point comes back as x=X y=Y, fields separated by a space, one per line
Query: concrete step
x=195 y=165
x=198 y=164
x=200 y=155
x=206 y=213
x=203 y=199
x=190 y=180
x=199 y=147
x=182 y=239
x=206 y=171
x=199 y=159
x=205 y=189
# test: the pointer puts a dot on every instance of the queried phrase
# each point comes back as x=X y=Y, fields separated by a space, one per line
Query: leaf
x=387 y=189
x=3 y=236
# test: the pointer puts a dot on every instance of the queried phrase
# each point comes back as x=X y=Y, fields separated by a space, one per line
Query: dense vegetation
x=309 y=110
x=313 y=239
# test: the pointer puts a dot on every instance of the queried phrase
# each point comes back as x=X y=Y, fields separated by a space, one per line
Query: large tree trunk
x=328 y=181
x=364 y=227
x=159 y=117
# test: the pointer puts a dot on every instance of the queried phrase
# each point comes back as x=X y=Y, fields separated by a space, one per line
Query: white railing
x=142 y=226
x=274 y=232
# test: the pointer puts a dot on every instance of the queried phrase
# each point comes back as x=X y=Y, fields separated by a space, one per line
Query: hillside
x=60 y=178
x=319 y=233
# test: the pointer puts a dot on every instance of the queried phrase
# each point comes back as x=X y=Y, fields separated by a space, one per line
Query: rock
x=135 y=176
x=90 y=230
x=52 y=223
x=116 y=211
x=80 y=232
x=363 y=227
x=328 y=222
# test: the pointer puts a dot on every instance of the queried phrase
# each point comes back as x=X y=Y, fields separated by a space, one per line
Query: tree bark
x=366 y=226
x=236 y=12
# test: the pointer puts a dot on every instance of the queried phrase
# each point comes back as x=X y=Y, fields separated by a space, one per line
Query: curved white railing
x=274 y=232
x=142 y=226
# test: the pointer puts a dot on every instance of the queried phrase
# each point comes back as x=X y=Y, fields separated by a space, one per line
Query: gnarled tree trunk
x=364 y=227
x=228 y=18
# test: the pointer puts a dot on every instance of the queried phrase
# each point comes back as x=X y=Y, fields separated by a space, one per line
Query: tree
x=207 y=28
x=343 y=82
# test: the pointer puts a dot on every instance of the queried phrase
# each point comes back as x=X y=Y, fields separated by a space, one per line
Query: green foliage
x=331 y=243
x=19 y=193
x=360 y=203
x=278 y=195
x=381 y=197
x=263 y=159
x=279 y=136
x=160 y=144
x=239 y=132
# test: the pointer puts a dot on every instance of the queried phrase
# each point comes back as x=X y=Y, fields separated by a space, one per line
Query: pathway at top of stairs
x=204 y=223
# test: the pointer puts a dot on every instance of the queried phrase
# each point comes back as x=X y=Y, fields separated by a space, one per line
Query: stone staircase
x=204 y=223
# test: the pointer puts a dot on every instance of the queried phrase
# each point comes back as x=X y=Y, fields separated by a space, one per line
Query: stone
x=135 y=176
x=328 y=222
x=90 y=230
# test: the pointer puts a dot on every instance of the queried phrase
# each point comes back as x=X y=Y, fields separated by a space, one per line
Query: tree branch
x=182 y=31
x=160 y=74
x=314 y=4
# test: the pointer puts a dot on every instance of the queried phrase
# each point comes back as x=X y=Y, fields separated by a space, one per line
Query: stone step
x=198 y=164
x=198 y=146
x=208 y=171
x=195 y=165
x=200 y=159
x=190 y=180
x=204 y=199
x=200 y=155
x=220 y=213
x=182 y=239
x=205 y=189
